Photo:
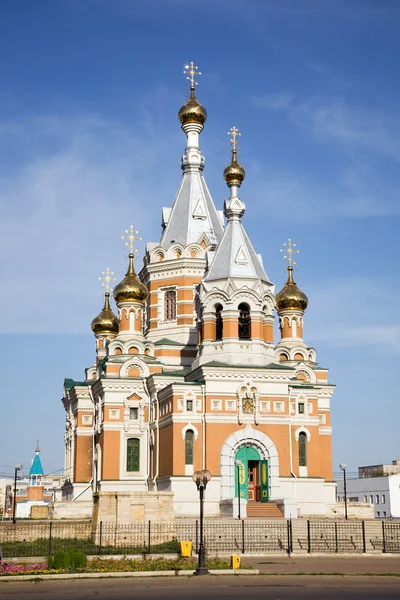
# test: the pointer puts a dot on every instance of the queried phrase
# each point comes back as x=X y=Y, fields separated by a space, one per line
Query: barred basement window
x=302 y=449
x=170 y=305
x=133 y=454
x=189 y=444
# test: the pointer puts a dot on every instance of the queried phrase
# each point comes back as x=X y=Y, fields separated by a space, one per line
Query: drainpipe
x=148 y=434
x=156 y=408
x=203 y=421
x=94 y=472
x=291 y=452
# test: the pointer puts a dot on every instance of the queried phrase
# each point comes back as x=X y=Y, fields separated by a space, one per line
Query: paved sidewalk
x=343 y=565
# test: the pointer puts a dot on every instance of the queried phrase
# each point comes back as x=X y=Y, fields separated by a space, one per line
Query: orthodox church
x=188 y=375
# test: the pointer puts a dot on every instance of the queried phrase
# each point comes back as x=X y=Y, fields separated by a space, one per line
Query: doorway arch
x=267 y=451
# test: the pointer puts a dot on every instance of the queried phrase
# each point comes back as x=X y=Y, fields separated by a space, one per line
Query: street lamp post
x=343 y=466
x=201 y=478
x=17 y=468
x=238 y=463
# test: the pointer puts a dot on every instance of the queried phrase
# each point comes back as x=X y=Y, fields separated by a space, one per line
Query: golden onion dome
x=290 y=297
x=192 y=111
x=234 y=173
x=130 y=289
x=106 y=321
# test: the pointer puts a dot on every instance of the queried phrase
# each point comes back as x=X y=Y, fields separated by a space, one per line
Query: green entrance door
x=253 y=484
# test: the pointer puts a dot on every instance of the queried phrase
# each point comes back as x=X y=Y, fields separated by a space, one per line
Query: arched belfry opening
x=244 y=324
x=219 y=322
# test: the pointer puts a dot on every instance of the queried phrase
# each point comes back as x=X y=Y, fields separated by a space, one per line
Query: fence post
x=101 y=537
x=50 y=535
x=197 y=537
x=336 y=539
x=289 y=537
x=383 y=538
x=243 y=536
x=363 y=536
x=149 y=538
x=308 y=536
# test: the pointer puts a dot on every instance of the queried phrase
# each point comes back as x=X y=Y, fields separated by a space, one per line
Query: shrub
x=61 y=560
x=78 y=559
x=50 y=562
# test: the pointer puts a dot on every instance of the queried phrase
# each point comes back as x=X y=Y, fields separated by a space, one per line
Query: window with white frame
x=230 y=405
x=216 y=404
x=301 y=408
x=310 y=408
x=133 y=413
x=365 y=498
x=180 y=404
x=265 y=405
x=371 y=499
x=170 y=305
x=383 y=500
x=189 y=405
x=278 y=406
x=322 y=419
x=377 y=499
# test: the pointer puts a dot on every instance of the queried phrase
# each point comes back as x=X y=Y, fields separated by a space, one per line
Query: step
x=263 y=510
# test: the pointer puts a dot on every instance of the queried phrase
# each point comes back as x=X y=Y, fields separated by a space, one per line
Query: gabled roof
x=235 y=256
x=193 y=213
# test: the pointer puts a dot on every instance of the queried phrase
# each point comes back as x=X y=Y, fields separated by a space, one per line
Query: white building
x=382 y=492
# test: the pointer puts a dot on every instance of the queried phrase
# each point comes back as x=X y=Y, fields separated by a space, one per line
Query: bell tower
x=235 y=300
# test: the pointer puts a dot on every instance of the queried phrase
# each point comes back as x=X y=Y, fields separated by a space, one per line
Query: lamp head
x=201 y=478
x=18 y=467
x=343 y=466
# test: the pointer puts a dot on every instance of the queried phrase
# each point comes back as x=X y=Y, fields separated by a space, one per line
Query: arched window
x=189 y=447
x=219 y=323
x=244 y=322
x=302 y=449
x=133 y=454
x=170 y=305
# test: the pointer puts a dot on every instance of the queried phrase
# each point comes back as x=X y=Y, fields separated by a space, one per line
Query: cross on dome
x=192 y=71
x=234 y=133
x=290 y=250
x=131 y=237
x=106 y=279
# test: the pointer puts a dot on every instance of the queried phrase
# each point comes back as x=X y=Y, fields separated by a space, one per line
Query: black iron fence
x=220 y=537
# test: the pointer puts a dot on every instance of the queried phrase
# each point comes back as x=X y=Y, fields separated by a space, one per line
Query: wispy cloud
x=63 y=212
x=337 y=120
x=273 y=101
x=344 y=313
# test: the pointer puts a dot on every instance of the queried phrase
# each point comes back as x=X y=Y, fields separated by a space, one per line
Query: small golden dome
x=106 y=321
x=192 y=111
x=130 y=289
x=290 y=297
x=234 y=173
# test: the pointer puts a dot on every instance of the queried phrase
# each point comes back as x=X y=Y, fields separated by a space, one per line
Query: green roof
x=36 y=467
x=274 y=366
x=70 y=383
x=167 y=342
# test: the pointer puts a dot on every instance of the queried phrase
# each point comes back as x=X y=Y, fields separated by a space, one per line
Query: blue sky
x=90 y=143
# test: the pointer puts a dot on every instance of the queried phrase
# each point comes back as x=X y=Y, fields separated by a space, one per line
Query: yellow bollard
x=186 y=548
x=235 y=562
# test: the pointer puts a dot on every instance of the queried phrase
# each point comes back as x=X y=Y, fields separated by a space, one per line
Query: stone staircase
x=263 y=510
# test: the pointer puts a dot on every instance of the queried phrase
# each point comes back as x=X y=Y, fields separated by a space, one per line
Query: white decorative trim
x=302 y=430
x=190 y=427
x=138 y=364
x=267 y=451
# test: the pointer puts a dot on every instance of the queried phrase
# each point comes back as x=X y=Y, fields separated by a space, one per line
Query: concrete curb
x=183 y=573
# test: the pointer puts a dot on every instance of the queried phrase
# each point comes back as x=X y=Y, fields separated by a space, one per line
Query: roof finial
x=37 y=447
x=106 y=280
x=192 y=71
x=234 y=173
x=131 y=237
x=234 y=133
x=290 y=250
